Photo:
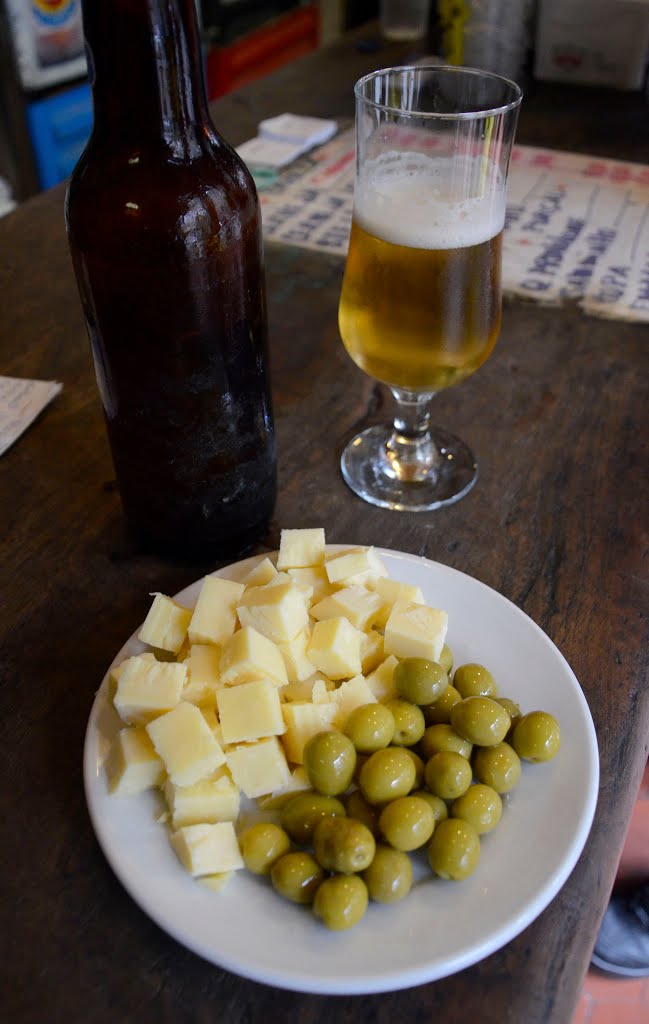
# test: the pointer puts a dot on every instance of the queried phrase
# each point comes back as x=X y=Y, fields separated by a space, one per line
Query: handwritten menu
x=577 y=227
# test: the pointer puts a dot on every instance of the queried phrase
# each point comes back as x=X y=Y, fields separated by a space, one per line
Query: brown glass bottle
x=165 y=235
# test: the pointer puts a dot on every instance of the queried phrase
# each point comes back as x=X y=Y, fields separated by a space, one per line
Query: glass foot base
x=372 y=471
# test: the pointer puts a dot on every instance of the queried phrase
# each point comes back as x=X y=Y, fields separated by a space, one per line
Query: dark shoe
x=622 y=946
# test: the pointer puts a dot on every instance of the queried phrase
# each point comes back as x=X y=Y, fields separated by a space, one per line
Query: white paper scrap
x=20 y=403
x=308 y=131
x=260 y=152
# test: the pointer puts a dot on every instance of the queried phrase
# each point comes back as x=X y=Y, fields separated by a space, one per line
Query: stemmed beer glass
x=420 y=307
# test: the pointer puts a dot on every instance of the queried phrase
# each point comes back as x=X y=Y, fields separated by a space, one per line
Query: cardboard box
x=593 y=42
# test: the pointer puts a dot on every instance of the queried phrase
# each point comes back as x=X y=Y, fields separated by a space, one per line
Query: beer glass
x=420 y=307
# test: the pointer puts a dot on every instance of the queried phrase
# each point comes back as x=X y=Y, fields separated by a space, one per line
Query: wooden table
x=558 y=417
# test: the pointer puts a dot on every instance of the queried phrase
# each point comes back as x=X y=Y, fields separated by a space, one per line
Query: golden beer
x=421 y=316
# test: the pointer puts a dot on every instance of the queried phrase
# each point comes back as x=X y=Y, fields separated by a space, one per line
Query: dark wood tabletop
x=557 y=522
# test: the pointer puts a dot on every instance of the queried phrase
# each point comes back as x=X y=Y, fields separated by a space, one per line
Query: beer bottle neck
x=146 y=74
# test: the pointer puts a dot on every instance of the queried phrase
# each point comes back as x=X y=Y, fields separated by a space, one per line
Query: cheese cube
x=118 y=670
x=132 y=764
x=335 y=648
x=207 y=849
x=147 y=688
x=381 y=680
x=249 y=711
x=277 y=611
x=210 y=800
x=209 y=714
x=415 y=631
x=186 y=744
x=258 y=768
x=322 y=688
x=392 y=591
x=302 y=722
x=296 y=662
x=314 y=577
x=350 y=694
x=371 y=651
x=248 y=656
x=299 y=549
x=356 y=604
x=202 y=680
x=166 y=624
x=355 y=566
x=215 y=615
x=261 y=574
x=297 y=783
x=299 y=690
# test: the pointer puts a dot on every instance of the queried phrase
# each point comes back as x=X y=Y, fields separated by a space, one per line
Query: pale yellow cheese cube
x=166 y=624
x=202 y=681
x=132 y=764
x=302 y=722
x=297 y=783
x=335 y=648
x=297 y=664
x=351 y=694
x=314 y=577
x=355 y=566
x=147 y=688
x=277 y=611
x=299 y=690
x=249 y=712
x=118 y=670
x=208 y=849
x=392 y=591
x=259 y=768
x=381 y=680
x=415 y=631
x=209 y=800
x=371 y=651
x=186 y=744
x=215 y=616
x=322 y=688
x=356 y=604
x=248 y=655
x=261 y=574
x=299 y=549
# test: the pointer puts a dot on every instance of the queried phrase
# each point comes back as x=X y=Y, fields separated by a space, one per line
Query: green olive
x=386 y=775
x=498 y=767
x=389 y=876
x=513 y=710
x=370 y=727
x=454 y=850
x=480 y=720
x=473 y=680
x=409 y=722
x=440 y=711
x=443 y=737
x=341 y=901
x=296 y=876
x=300 y=815
x=261 y=845
x=358 y=808
x=407 y=823
x=343 y=845
x=440 y=810
x=329 y=761
x=537 y=736
x=481 y=806
x=419 y=766
x=446 y=659
x=448 y=774
x=420 y=681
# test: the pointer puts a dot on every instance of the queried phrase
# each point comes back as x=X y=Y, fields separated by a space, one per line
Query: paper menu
x=577 y=226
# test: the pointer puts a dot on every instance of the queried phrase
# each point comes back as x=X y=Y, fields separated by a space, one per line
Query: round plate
x=441 y=927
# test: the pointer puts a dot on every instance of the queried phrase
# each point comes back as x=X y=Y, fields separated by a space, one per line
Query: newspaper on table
x=577 y=227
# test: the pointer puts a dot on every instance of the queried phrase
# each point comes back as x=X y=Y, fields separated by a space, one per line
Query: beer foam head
x=421 y=202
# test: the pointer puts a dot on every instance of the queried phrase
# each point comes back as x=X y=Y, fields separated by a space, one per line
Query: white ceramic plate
x=441 y=927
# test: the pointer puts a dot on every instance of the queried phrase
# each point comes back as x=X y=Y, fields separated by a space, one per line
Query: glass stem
x=412 y=454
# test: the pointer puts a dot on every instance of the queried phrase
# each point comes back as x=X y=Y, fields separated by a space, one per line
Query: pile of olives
x=427 y=769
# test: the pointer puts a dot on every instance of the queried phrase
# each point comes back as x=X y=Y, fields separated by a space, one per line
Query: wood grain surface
x=557 y=523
